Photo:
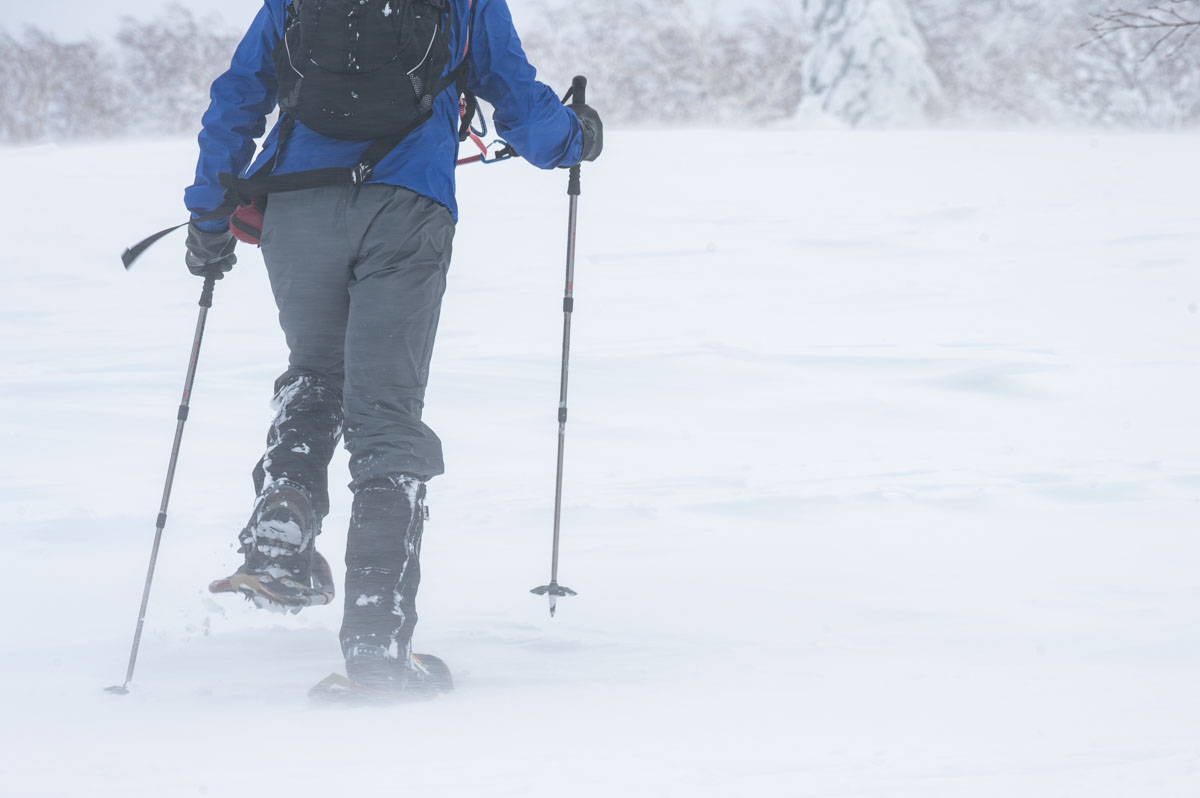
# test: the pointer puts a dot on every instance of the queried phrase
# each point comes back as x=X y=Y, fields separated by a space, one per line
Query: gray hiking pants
x=358 y=275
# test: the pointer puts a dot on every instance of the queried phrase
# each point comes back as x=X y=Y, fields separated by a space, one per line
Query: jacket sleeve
x=241 y=99
x=529 y=115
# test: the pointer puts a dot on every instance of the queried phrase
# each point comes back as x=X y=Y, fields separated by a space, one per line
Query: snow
x=882 y=479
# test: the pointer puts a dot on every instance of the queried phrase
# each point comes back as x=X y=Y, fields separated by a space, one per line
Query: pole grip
x=206 y=293
x=578 y=97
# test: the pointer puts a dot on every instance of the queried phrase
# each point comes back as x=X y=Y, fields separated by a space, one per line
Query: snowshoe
x=427 y=676
x=283 y=570
x=278 y=589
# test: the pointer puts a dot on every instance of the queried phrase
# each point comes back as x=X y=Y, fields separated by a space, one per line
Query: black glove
x=209 y=254
x=593 y=131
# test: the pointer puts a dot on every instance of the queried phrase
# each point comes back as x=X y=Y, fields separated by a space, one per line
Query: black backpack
x=348 y=69
x=358 y=70
x=363 y=69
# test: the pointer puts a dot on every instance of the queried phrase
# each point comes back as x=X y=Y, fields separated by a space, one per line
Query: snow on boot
x=383 y=573
x=424 y=677
x=283 y=569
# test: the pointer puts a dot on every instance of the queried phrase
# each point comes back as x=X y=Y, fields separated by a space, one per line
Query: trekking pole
x=554 y=590
x=206 y=296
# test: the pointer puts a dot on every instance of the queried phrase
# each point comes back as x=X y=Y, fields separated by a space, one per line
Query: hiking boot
x=283 y=569
x=383 y=573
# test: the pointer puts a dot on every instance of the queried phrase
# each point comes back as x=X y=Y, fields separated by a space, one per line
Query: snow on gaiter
x=302 y=438
x=383 y=571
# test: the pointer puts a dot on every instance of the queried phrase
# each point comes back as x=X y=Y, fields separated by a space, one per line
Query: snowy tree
x=666 y=60
x=56 y=90
x=170 y=62
x=1006 y=61
x=869 y=64
x=155 y=81
x=872 y=63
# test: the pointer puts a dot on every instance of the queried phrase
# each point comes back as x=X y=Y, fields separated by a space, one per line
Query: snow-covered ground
x=882 y=480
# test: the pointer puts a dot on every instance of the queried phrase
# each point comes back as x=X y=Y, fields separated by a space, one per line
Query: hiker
x=353 y=201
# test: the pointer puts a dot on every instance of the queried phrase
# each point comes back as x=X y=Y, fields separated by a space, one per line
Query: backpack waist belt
x=243 y=190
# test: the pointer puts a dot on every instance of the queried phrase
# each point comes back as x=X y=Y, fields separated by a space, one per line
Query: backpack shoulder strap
x=461 y=73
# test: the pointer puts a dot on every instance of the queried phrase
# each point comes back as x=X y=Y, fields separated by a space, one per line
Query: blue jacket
x=527 y=114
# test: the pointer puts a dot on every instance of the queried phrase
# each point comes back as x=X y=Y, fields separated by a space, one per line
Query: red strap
x=483 y=150
x=462 y=103
x=467 y=44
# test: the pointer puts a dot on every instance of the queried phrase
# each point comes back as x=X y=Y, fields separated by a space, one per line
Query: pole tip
x=118 y=689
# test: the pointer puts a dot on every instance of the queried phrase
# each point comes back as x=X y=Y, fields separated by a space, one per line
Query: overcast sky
x=74 y=19
x=79 y=18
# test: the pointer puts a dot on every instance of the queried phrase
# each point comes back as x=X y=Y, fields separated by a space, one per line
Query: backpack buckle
x=361 y=172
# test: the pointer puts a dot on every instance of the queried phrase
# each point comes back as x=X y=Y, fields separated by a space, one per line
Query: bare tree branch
x=1171 y=20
